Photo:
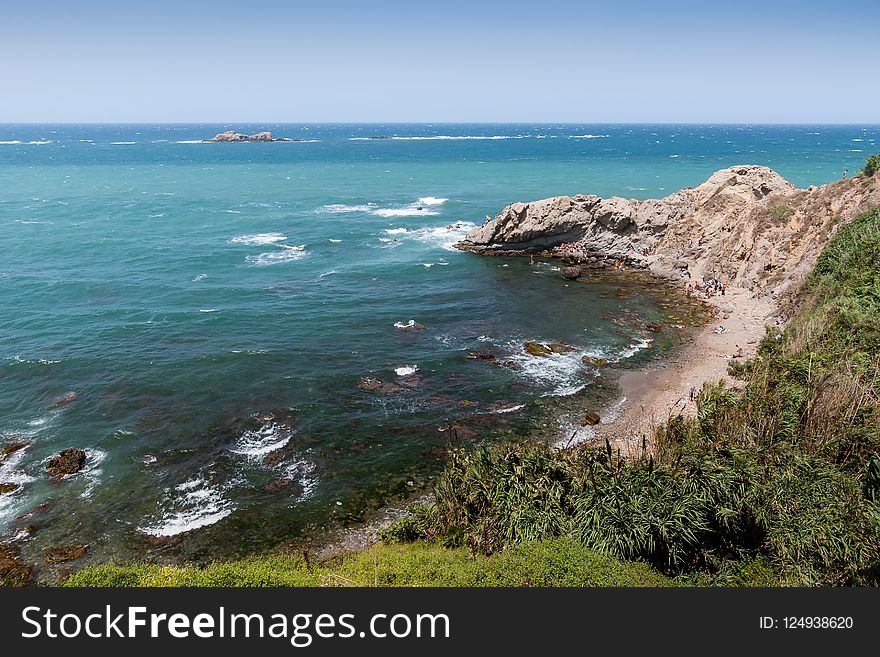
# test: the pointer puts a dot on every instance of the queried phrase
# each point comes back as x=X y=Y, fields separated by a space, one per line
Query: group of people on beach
x=709 y=288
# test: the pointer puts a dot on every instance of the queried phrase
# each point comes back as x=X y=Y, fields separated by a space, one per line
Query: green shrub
x=781 y=212
x=872 y=165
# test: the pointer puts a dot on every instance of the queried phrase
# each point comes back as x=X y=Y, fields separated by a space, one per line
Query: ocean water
x=214 y=308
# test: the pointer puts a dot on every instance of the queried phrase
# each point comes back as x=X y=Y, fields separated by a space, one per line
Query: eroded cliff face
x=746 y=225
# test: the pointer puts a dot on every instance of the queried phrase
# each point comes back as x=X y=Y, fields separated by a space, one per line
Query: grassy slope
x=559 y=562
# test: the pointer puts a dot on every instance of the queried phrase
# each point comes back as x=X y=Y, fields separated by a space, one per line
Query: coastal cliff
x=746 y=225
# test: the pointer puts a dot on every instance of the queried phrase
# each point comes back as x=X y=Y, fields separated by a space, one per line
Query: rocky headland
x=746 y=226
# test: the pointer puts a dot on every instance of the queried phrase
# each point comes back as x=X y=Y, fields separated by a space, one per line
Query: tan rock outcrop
x=746 y=225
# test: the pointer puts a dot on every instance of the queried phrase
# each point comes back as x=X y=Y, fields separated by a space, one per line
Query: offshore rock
x=232 y=136
x=69 y=461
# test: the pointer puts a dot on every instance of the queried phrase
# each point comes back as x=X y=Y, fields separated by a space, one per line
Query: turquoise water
x=215 y=306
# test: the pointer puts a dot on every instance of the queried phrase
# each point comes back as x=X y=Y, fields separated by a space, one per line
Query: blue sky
x=336 y=60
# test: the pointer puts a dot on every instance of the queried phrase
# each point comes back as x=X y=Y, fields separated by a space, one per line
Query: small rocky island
x=231 y=135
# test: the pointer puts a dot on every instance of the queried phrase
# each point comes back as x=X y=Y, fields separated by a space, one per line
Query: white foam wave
x=10 y=142
x=401 y=325
x=511 y=409
x=11 y=473
x=191 y=141
x=341 y=208
x=443 y=236
x=199 y=277
x=432 y=200
x=40 y=142
x=453 y=137
x=208 y=310
x=123 y=143
x=588 y=136
x=334 y=241
x=407 y=211
x=303 y=471
x=268 y=438
x=92 y=470
x=406 y=370
x=397 y=231
x=287 y=254
x=259 y=238
x=191 y=505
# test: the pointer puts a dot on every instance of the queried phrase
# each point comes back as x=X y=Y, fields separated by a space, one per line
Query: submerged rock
x=560 y=348
x=11 y=448
x=411 y=325
x=590 y=419
x=62 y=553
x=69 y=461
x=654 y=327
x=592 y=361
x=13 y=572
x=63 y=400
x=284 y=484
x=572 y=273
x=462 y=432
x=377 y=386
x=480 y=356
x=536 y=349
x=8 y=488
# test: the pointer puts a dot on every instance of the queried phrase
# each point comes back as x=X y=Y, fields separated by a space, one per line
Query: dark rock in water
x=370 y=384
x=437 y=453
x=560 y=348
x=622 y=292
x=8 y=488
x=462 y=432
x=63 y=553
x=590 y=419
x=11 y=448
x=289 y=485
x=572 y=273
x=377 y=386
x=411 y=325
x=274 y=458
x=63 y=400
x=478 y=356
x=594 y=362
x=509 y=364
x=13 y=572
x=654 y=327
x=536 y=349
x=68 y=462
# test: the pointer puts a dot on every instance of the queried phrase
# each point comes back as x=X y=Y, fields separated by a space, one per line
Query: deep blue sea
x=214 y=307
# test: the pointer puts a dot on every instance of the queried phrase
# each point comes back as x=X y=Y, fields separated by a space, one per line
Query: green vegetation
x=872 y=165
x=781 y=212
x=549 y=563
x=774 y=481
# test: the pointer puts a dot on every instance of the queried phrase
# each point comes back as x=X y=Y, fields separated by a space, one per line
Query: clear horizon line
x=541 y=123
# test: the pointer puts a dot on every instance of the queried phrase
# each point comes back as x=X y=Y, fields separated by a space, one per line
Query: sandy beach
x=652 y=395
